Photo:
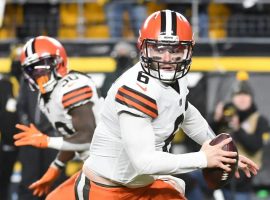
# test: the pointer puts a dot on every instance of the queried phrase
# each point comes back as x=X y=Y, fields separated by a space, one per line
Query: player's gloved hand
x=43 y=185
x=30 y=135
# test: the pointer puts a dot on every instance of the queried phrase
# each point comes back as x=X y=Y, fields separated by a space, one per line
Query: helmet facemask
x=41 y=74
x=166 y=60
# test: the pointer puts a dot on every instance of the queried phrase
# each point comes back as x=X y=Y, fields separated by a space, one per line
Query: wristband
x=59 y=164
x=60 y=144
x=55 y=142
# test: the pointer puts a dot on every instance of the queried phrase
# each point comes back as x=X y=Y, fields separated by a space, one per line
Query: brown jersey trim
x=77 y=95
x=137 y=100
x=77 y=99
x=75 y=92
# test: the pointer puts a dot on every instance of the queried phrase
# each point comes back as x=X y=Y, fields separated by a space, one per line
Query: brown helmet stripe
x=33 y=46
x=163 y=23
x=174 y=24
x=30 y=48
x=168 y=22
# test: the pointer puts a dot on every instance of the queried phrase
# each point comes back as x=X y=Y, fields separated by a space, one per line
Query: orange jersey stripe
x=77 y=99
x=132 y=98
x=76 y=92
x=139 y=98
x=137 y=106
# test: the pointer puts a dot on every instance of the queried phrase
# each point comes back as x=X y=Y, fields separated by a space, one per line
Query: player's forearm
x=63 y=157
x=196 y=127
x=201 y=133
x=166 y=163
x=139 y=144
x=60 y=143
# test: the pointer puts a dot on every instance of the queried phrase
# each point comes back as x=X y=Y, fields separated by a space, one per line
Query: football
x=216 y=177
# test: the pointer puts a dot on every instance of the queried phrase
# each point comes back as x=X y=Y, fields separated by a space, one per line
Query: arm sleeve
x=60 y=144
x=196 y=127
x=139 y=143
x=84 y=123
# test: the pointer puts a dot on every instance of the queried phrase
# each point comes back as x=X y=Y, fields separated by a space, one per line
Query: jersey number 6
x=142 y=77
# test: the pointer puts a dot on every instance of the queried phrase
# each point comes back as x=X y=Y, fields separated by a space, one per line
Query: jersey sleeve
x=135 y=102
x=195 y=126
x=76 y=93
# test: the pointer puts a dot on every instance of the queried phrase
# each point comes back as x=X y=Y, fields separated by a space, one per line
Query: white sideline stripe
x=80 y=187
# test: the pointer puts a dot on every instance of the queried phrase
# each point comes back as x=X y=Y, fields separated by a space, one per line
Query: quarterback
x=70 y=101
x=130 y=156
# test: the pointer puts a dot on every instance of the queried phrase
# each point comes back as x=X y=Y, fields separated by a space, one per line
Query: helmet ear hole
x=60 y=70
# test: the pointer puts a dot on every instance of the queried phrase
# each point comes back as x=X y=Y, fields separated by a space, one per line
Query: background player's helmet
x=43 y=61
x=163 y=31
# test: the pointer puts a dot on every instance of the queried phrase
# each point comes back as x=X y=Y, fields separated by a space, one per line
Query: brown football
x=216 y=177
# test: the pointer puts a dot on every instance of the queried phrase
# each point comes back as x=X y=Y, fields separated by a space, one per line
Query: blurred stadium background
x=230 y=35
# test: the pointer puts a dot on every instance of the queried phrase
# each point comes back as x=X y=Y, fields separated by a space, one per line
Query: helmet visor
x=163 y=52
x=41 y=68
x=166 y=61
x=40 y=73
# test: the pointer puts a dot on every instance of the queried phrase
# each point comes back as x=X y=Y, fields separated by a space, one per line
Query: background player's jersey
x=144 y=96
x=73 y=90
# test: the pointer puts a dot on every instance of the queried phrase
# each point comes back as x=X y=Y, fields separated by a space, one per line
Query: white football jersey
x=141 y=95
x=71 y=91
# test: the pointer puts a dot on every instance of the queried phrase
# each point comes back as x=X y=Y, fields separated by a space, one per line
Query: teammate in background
x=34 y=161
x=130 y=156
x=68 y=99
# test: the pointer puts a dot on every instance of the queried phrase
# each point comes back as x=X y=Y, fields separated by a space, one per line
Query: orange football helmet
x=166 y=45
x=44 y=61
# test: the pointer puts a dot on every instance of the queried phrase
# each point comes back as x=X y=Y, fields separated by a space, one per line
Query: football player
x=70 y=101
x=130 y=156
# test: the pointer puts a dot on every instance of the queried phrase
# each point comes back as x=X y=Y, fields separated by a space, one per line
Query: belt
x=104 y=182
